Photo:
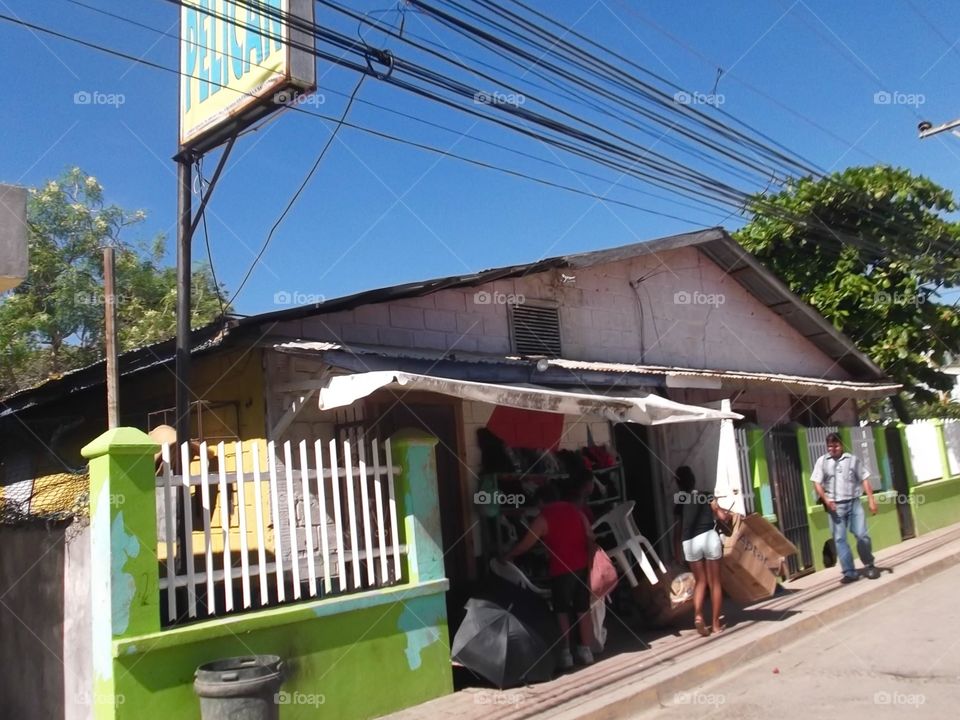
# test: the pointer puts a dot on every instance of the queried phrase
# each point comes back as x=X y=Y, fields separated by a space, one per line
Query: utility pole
x=110 y=323
x=184 y=236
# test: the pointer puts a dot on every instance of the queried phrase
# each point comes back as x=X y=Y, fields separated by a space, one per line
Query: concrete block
x=461 y=343
x=430 y=339
x=470 y=324
x=424 y=302
x=496 y=326
x=395 y=337
x=378 y=314
x=320 y=327
x=493 y=345
x=402 y=316
x=444 y=320
x=360 y=334
x=451 y=300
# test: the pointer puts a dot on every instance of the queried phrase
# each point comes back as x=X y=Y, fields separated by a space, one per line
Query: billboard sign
x=236 y=56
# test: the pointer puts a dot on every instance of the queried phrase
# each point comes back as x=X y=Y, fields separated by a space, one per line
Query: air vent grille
x=536 y=330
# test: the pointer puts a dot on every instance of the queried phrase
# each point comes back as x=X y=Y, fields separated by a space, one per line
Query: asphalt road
x=899 y=658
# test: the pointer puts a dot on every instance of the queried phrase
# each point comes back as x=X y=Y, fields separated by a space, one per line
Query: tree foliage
x=54 y=321
x=872 y=249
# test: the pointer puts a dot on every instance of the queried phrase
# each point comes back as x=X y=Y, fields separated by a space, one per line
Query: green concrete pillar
x=419 y=504
x=124 y=573
x=806 y=469
x=883 y=456
x=760 y=473
x=942 y=443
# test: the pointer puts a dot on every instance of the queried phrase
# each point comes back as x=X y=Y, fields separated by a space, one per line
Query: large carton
x=751 y=556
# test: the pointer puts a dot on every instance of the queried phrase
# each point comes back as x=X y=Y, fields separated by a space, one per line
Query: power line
x=300 y=189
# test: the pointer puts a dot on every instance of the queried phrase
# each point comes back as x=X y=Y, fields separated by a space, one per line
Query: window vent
x=536 y=330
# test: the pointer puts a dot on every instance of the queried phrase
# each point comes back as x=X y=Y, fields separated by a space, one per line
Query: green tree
x=54 y=322
x=872 y=249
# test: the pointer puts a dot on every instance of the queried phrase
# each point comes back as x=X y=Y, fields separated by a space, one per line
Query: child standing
x=566 y=534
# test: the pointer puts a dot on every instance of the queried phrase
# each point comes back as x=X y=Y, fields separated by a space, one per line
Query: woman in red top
x=565 y=532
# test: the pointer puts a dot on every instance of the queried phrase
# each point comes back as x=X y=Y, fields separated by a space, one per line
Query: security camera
x=924 y=125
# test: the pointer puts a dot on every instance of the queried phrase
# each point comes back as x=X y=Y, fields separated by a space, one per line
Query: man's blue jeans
x=850 y=517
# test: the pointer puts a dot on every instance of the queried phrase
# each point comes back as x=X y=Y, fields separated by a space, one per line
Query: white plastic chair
x=512 y=574
x=630 y=542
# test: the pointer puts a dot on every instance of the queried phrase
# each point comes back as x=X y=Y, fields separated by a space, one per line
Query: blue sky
x=377 y=213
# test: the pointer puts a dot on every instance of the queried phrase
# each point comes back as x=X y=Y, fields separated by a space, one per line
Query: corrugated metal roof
x=587 y=372
x=715 y=243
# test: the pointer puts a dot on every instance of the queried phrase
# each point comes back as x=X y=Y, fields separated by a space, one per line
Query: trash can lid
x=239 y=669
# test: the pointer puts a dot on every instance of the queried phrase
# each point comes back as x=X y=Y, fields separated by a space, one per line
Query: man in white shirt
x=840 y=480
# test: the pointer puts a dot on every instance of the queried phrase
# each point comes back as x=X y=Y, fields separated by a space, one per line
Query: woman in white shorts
x=697 y=514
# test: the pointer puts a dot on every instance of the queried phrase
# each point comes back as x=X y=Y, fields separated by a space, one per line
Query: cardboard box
x=751 y=557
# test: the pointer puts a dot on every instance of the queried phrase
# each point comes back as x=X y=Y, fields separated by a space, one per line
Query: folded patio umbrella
x=508 y=644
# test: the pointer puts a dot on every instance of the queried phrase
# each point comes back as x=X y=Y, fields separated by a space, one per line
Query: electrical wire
x=445 y=82
x=300 y=189
x=206 y=241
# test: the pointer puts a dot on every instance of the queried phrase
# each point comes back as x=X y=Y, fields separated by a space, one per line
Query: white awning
x=344 y=390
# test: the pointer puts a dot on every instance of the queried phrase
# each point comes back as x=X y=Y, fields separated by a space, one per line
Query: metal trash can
x=239 y=688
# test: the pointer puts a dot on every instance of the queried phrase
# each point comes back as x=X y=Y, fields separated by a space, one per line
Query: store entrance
x=440 y=420
x=633 y=443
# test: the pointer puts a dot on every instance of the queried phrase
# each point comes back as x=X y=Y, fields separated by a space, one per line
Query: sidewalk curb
x=612 y=703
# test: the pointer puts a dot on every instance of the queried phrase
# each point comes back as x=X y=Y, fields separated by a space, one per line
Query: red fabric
x=566 y=538
x=526 y=428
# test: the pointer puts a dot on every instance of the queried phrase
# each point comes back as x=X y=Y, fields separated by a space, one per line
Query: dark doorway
x=633 y=445
x=442 y=421
x=898 y=478
x=786 y=485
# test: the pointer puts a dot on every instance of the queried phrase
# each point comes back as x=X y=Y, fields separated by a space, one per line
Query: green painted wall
x=345 y=666
x=935 y=504
x=348 y=657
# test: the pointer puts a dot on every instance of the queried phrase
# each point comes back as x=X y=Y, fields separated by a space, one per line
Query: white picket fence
x=318 y=527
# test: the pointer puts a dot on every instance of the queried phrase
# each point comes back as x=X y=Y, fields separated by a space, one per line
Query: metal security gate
x=746 y=478
x=786 y=482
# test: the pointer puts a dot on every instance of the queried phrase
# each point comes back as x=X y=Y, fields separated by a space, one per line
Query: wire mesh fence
x=60 y=496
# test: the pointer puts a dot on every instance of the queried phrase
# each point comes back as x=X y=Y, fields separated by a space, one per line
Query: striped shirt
x=842 y=479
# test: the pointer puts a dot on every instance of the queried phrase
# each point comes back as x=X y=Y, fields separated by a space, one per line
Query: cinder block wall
x=600 y=317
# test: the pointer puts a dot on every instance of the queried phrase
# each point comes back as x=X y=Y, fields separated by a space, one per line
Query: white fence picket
x=225 y=527
x=351 y=512
x=277 y=530
x=258 y=513
x=394 y=531
x=324 y=540
x=292 y=520
x=308 y=517
x=338 y=517
x=242 y=519
x=188 y=530
x=378 y=497
x=208 y=545
x=170 y=530
x=365 y=507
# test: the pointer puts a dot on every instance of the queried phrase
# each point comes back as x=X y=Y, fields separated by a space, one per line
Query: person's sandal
x=701 y=626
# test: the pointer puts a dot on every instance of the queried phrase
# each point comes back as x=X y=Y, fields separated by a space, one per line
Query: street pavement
x=898 y=658
x=908 y=616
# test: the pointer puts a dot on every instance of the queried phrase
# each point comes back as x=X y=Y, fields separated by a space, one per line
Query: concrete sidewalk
x=649 y=667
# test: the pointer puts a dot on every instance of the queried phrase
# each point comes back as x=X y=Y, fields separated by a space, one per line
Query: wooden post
x=110 y=322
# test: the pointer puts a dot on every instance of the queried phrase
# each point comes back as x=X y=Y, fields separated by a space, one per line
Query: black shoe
x=872 y=573
x=847 y=579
